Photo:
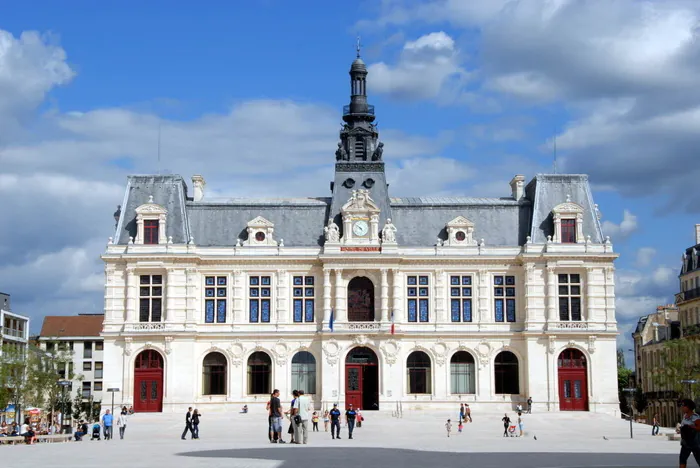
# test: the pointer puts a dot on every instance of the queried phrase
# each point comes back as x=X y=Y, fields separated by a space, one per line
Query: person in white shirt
x=27 y=432
x=301 y=408
x=121 y=422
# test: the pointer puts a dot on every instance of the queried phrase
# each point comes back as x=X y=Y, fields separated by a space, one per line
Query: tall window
x=304 y=372
x=462 y=375
x=507 y=374
x=98 y=370
x=151 y=298
x=418 y=293
x=303 y=294
x=504 y=298
x=568 y=231
x=259 y=373
x=214 y=374
x=150 y=231
x=215 y=292
x=98 y=386
x=418 y=368
x=461 y=298
x=87 y=350
x=570 y=297
x=86 y=389
x=260 y=294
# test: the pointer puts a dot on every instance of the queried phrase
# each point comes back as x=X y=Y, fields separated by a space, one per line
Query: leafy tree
x=624 y=376
x=13 y=384
x=77 y=407
x=640 y=400
x=679 y=361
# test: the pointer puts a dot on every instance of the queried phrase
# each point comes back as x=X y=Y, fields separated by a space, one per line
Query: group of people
x=106 y=426
x=299 y=413
x=192 y=423
x=465 y=416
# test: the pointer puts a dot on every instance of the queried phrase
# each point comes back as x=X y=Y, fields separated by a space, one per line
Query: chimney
x=517 y=186
x=697 y=233
x=198 y=183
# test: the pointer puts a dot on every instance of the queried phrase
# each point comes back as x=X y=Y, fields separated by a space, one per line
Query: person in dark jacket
x=188 y=423
x=335 y=421
x=195 y=423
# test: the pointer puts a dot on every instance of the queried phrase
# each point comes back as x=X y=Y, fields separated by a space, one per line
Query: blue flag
x=330 y=322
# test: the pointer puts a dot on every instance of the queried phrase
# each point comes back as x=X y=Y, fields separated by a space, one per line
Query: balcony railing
x=370 y=110
x=687 y=295
x=7 y=331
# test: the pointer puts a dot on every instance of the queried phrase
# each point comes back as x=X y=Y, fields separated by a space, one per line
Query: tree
x=679 y=361
x=623 y=381
x=13 y=382
x=77 y=407
x=640 y=400
x=621 y=358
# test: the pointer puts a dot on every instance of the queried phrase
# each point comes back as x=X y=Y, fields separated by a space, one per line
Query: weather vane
x=358 y=46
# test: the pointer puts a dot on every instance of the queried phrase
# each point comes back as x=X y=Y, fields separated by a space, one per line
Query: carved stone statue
x=377 y=155
x=332 y=232
x=389 y=233
x=695 y=258
x=340 y=153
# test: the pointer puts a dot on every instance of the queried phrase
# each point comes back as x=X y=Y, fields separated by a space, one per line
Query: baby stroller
x=95 y=432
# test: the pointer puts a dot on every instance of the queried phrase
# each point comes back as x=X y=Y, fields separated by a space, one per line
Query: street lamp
x=112 y=391
x=63 y=384
x=630 y=402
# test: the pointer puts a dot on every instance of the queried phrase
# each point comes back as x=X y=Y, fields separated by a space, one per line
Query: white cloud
x=428 y=68
x=618 y=232
x=644 y=256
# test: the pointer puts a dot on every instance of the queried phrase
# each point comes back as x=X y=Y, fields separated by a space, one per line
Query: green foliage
x=680 y=360
x=620 y=358
x=13 y=367
x=624 y=377
x=640 y=400
x=77 y=407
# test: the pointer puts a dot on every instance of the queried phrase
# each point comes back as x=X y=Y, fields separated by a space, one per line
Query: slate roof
x=60 y=326
x=300 y=221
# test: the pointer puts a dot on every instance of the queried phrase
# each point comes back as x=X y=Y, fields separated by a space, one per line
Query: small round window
x=460 y=236
x=259 y=236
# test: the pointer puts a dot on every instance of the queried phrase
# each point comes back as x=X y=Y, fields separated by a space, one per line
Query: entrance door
x=573 y=381
x=362 y=379
x=148 y=382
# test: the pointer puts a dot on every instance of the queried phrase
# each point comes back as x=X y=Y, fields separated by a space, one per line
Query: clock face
x=360 y=228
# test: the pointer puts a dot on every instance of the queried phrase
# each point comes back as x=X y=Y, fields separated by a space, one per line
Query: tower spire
x=358 y=46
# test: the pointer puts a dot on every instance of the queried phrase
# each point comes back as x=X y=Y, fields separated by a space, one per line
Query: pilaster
x=191 y=299
x=384 y=307
x=326 y=296
x=131 y=294
x=238 y=295
x=551 y=294
x=440 y=315
x=281 y=299
x=340 y=302
x=397 y=302
x=483 y=296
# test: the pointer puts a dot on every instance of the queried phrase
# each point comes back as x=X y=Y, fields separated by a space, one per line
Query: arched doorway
x=462 y=373
x=259 y=373
x=507 y=374
x=214 y=374
x=362 y=379
x=573 y=380
x=360 y=300
x=304 y=372
x=418 y=367
x=148 y=382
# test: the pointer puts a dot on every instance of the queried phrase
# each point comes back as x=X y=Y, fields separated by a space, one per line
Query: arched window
x=361 y=300
x=507 y=374
x=259 y=373
x=149 y=359
x=214 y=374
x=304 y=372
x=462 y=375
x=418 y=368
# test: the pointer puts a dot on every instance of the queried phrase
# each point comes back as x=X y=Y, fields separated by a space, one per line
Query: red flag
x=393 y=328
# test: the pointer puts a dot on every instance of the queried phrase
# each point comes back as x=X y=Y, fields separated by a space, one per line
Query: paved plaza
x=236 y=440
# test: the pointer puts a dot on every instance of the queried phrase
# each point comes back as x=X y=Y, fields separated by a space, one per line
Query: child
x=314 y=419
x=448 y=426
x=459 y=426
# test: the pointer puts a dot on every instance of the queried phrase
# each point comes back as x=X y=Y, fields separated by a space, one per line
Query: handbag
x=297 y=419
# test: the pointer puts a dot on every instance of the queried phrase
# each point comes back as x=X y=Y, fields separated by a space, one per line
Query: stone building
x=360 y=297
x=652 y=333
x=15 y=328
x=688 y=299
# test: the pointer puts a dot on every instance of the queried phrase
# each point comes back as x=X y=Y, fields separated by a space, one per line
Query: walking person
x=506 y=424
x=655 y=425
x=314 y=421
x=326 y=420
x=448 y=426
x=690 y=427
x=350 y=416
x=195 y=423
x=107 y=424
x=290 y=414
x=468 y=412
x=301 y=418
x=461 y=412
x=359 y=417
x=335 y=421
x=121 y=422
x=188 y=423
x=520 y=424
x=529 y=405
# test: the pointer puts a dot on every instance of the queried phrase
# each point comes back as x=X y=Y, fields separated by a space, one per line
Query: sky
x=250 y=95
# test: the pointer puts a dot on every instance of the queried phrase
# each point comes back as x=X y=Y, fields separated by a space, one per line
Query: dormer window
x=260 y=232
x=150 y=223
x=568 y=223
x=460 y=232
x=150 y=231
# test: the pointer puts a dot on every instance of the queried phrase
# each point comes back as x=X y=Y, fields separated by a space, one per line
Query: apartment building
x=79 y=335
x=15 y=327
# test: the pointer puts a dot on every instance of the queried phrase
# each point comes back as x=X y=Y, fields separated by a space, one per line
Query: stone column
x=397 y=302
x=281 y=311
x=551 y=295
x=482 y=298
x=588 y=312
x=439 y=297
x=384 y=310
x=610 y=297
x=169 y=296
x=191 y=296
x=131 y=294
x=326 y=297
x=340 y=304
x=238 y=295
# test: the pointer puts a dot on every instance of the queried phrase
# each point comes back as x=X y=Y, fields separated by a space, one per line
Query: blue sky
x=468 y=94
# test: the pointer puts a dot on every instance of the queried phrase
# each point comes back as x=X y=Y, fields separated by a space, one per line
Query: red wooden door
x=148 y=392
x=573 y=381
x=353 y=385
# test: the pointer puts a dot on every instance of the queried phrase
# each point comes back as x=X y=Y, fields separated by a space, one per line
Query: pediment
x=360 y=202
x=460 y=221
x=151 y=208
x=260 y=222
x=568 y=207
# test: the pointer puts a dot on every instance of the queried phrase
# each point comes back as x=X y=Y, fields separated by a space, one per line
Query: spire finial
x=358 y=46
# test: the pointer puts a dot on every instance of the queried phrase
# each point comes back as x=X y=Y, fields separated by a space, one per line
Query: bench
x=673 y=436
x=39 y=438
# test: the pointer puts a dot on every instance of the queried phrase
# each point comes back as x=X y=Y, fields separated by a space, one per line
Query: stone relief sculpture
x=389 y=233
x=379 y=150
x=332 y=232
x=340 y=153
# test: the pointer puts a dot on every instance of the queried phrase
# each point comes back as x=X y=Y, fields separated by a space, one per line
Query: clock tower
x=359 y=166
